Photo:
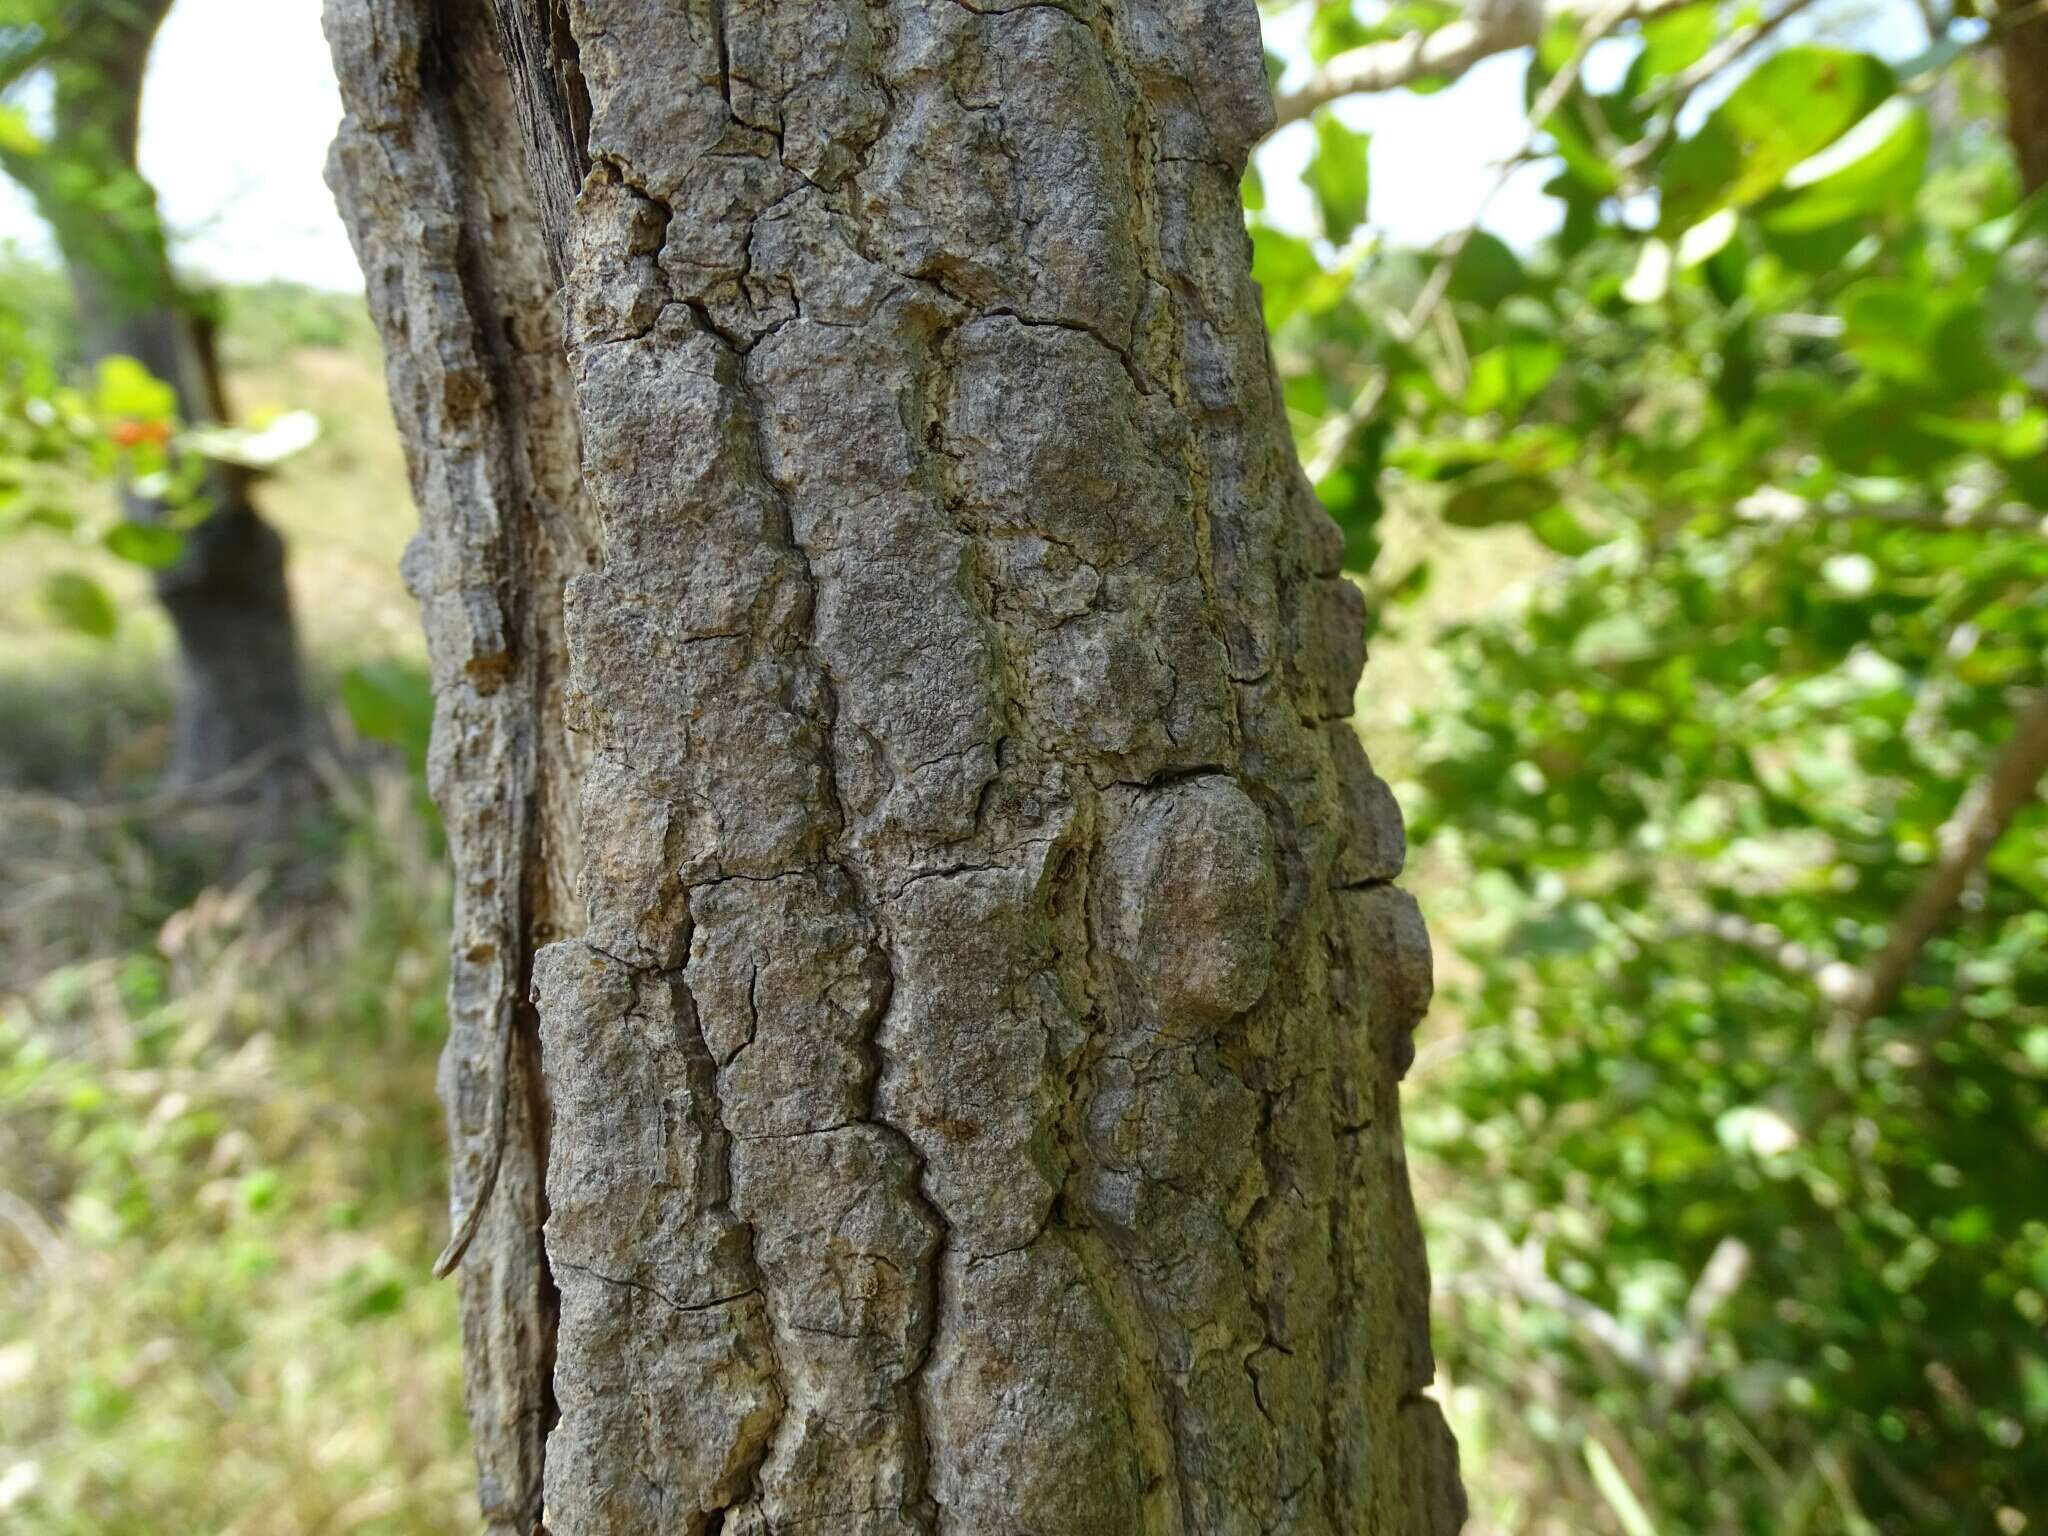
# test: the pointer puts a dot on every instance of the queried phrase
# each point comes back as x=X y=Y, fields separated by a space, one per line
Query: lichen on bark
x=968 y=1079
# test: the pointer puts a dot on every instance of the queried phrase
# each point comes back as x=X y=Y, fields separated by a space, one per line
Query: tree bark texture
x=2023 y=53
x=239 y=692
x=893 y=690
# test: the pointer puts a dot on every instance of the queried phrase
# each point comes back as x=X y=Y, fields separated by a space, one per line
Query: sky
x=237 y=113
x=241 y=104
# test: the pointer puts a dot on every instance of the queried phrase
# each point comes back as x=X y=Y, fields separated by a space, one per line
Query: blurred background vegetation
x=1700 y=497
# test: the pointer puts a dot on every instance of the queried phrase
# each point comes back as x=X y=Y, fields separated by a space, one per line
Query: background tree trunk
x=967 y=1085
x=2023 y=55
x=238 y=689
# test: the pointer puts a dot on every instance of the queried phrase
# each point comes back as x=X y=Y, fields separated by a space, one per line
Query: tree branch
x=1444 y=54
x=1678 y=90
x=1334 y=437
x=1524 y=1272
x=1773 y=504
x=1967 y=838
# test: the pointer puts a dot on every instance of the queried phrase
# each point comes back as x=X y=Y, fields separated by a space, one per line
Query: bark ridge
x=968 y=1080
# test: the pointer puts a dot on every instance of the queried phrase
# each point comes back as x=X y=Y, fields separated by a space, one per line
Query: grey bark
x=893 y=709
x=239 y=696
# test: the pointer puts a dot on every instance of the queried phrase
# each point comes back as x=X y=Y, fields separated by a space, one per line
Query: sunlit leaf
x=1511 y=374
x=1795 y=104
x=1340 y=176
x=257 y=447
x=16 y=137
x=1335 y=28
x=1559 y=528
x=1651 y=279
x=146 y=544
x=124 y=388
x=78 y=602
x=1677 y=40
x=1881 y=179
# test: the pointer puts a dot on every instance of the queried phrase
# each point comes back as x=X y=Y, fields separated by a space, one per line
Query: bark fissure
x=990 y=998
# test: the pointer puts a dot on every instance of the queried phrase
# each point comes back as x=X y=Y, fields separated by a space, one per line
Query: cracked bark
x=913 y=777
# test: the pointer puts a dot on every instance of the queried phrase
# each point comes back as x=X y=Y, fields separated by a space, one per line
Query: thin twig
x=1334 y=439
x=198 y=793
x=1773 y=504
x=1672 y=1369
x=1678 y=90
x=1444 y=54
x=1966 y=839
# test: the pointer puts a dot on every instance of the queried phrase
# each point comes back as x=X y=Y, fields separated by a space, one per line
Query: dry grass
x=220 y=1158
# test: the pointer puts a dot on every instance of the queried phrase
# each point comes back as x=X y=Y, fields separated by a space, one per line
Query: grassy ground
x=220 y=1159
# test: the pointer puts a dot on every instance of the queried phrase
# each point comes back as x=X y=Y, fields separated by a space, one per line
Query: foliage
x=1771 y=398
x=217 y=1121
x=61 y=445
x=224 y=1175
x=56 y=440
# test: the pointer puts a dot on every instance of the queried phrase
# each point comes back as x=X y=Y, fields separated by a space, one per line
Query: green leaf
x=1882 y=179
x=1886 y=434
x=1963 y=359
x=1487 y=272
x=124 y=388
x=1282 y=266
x=78 y=602
x=390 y=702
x=148 y=544
x=1558 y=527
x=16 y=137
x=1794 y=105
x=1340 y=176
x=1350 y=493
x=1406 y=16
x=1576 y=146
x=43 y=514
x=1492 y=497
x=1888 y=327
x=1614 y=639
x=1815 y=250
x=1677 y=40
x=1560 y=40
x=1735 y=373
x=1334 y=28
x=1410 y=587
x=1508 y=375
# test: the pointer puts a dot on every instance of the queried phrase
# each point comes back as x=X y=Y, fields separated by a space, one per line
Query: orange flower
x=130 y=433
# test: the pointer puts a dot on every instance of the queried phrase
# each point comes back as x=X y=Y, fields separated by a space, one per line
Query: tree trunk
x=2023 y=54
x=964 y=1096
x=238 y=691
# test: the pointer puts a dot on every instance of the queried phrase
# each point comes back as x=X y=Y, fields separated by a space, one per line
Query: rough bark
x=2023 y=54
x=239 y=692
x=967 y=1086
